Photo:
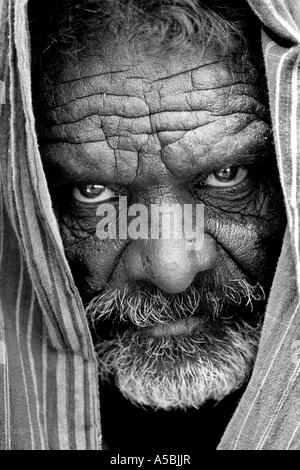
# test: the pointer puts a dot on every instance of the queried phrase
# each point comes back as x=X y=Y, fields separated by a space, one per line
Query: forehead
x=117 y=108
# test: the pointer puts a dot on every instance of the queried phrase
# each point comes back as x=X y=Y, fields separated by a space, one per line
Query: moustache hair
x=144 y=306
x=178 y=371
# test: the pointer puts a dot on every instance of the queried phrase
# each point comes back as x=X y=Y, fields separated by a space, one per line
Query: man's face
x=175 y=327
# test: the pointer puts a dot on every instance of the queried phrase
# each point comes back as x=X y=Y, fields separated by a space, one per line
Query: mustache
x=145 y=306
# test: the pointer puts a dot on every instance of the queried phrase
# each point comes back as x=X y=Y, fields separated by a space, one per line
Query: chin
x=179 y=371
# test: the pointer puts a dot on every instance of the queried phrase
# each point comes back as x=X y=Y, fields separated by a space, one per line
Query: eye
x=91 y=193
x=226 y=177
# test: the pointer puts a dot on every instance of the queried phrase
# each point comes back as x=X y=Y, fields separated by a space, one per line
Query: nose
x=167 y=263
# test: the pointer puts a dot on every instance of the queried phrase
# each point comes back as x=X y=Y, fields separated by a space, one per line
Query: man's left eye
x=91 y=193
x=226 y=177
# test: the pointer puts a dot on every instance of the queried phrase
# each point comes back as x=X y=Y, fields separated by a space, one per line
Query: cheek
x=249 y=224
x=252 y=242
x=91 y=260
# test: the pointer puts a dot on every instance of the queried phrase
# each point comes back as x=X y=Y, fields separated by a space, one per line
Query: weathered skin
x=154 y=127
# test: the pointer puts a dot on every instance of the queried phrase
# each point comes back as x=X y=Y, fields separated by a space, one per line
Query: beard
x=178 y=351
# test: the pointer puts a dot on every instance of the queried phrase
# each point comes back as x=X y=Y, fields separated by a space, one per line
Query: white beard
x=185 y=369
x=181 y=371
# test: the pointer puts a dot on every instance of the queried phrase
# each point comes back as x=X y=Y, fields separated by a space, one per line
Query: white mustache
x=145 y=309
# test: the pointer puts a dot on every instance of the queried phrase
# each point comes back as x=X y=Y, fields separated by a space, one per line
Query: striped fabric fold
x=48 y=369
x=268 y=416
x=281 y=17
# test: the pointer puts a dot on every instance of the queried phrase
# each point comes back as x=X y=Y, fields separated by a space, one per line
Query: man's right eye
x=91 y=193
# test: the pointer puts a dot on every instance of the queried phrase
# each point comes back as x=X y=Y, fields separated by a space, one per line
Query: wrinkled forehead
x=161 y=39
x=106 y=118
x=124 y=67
x=116 y=103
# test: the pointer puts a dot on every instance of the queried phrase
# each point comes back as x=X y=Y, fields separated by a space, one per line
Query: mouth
x=176 y=328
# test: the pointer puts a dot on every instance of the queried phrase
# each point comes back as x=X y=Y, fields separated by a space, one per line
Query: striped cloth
x=268 y=416
x=48 y=372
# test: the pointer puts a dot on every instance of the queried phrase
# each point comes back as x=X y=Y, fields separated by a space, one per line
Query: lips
x=179 y=327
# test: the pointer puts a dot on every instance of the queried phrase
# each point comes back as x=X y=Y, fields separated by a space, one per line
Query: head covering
x=48 y=367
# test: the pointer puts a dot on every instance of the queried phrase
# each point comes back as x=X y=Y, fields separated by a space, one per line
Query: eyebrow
x=257 y=151
x=243 y=148
x=72 y=163
x=77 y=166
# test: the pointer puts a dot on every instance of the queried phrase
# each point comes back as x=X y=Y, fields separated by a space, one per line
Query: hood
x=48 y=368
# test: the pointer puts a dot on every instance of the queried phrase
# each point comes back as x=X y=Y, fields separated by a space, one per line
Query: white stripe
x=294 y=154
x=2 y=331
x=283 y=21
x=61 y=387
x=292 y=438
x=32 y=368
x=18 y=314
x=289 y=13
x=7 y=409
x=277 y=130
x=91 y=402
x=95 y=432
x=44 y=380
x=269 y=47
x=2 y=92
x=1 y=226
x=278 y=408
x=79 y=403
x=5 y=385
x=2 y=353
x=278 y=79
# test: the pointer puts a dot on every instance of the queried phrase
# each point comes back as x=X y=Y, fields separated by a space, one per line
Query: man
x=153 y=102
x=163 y=104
